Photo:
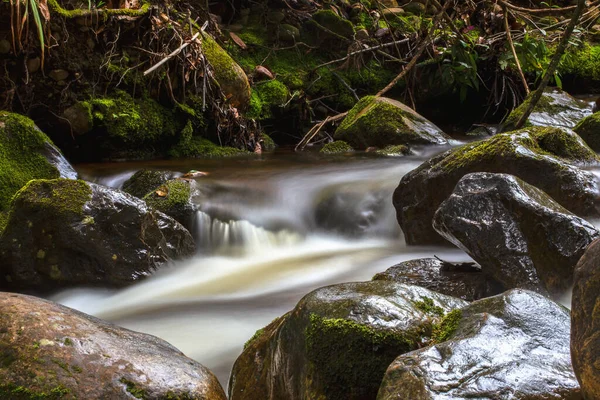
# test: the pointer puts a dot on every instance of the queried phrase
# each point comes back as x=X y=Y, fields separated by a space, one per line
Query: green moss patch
x=338 y=146
x=589 y=130
x=22 y=147
x=447 y=326
x=394 y=150
x=582 y=61
x=266 y=98
x=132 y=389
x=197 y=147
x=175 y=196
x=17 y=392
x=428 y=306
x=343 y=352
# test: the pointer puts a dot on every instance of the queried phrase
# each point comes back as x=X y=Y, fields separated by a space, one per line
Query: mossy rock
x=62 y=233
x=511 y=346
x=380 y=121
x=146 y=180
x=48 y=351
x=198 y=147
x=327 y=29
x=555 y=108
x=547 y=158
x=589 y=130
x=267 y=98
x=582 y=61
x=26 y=153
x=174 y=199
x=394 y=151
x=336 y=147
x=268 y=144
x=338 y=341
x=231 y=77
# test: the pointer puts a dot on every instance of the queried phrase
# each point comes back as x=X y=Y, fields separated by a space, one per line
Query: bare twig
x=512 y=49
x=315 y=130
x=374 y=48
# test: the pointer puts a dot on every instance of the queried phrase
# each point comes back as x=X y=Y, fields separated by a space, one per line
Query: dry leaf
x=43 y=7
x=238 y=41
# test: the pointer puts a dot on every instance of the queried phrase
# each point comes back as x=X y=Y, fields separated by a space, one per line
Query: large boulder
x=544 y=157
x=589 y=130
x=585 y=331
x=48 y=351
x=68 y=232
x=555 y=108
x=338 y=342
x=26 y=153
x=466 y=281
x=380 y=121
x=518 y=234
x=511 y=346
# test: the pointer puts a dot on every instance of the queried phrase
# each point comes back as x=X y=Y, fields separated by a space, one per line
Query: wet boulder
x=466 y=281
x=555 y=108
x=547 y=158
x=174 y=198
x=145 y=180
x=585 y=337
x=589 y=130
x=338 y=342
x=380 y=121
x=518 y=234
x=51 y=351
x=511 y=346
x=26 y=153
x=63 y=233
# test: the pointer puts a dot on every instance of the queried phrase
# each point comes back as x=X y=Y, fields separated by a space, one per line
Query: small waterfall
x=213 y=235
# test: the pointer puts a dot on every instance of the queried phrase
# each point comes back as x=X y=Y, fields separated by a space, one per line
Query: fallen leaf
x=237 y=40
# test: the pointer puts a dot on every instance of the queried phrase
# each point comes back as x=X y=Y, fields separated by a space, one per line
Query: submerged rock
x=146 y=180
x=511 y=346
x=544 y=157
x=51 y=351
x=337 y=342
x=585 y=337
x=26 y=153
x=174 y=198
x=466 y=281
x=380 y=121
x=518 y=234
x=555 y=108
x=63 y=233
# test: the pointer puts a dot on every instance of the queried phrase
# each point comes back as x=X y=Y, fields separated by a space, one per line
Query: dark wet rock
x=26 y=153
x=380 y=121
x=589 y=130
x=145 y=180
x=63 y=233
x=338 y=342
x=174 y=198
x=511 y=346
x=463 y=280
x=555 y=108
x=518 y=234
x=48 y=351
x=354 y=211
x=585 y=337
x=544 y=157
x=80 y=118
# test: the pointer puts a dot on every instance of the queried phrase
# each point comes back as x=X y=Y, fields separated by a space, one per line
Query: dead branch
x=316 y=129
x=374 y=48
x=512 y=49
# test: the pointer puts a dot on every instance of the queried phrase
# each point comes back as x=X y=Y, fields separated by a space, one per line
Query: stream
x=265 y=240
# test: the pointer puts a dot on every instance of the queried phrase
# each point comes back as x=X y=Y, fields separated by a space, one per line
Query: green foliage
x=267 y=96
x=459 y=68
x=582 y=61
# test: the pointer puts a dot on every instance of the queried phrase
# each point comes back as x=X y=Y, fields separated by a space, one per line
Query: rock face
x=589 y=130
x=511 y=346
x=26 y=153
x=516 y=232
x=585 y=341
x=543 y=157
x=467 y=282
x=51 y=351
x=66 y=232
x=554 y=109
x=337 y=342
x=174 y=199
x=380 y=121
x=146 y=180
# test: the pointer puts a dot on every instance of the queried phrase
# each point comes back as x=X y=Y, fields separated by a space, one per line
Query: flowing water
x=269 y=230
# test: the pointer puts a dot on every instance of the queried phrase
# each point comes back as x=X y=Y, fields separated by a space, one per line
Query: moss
x=3 y=221
x=589 y=130
x=145 y=180
x=559 y=143
x=265 y=98
x=428 y=306
x=102 y=14
x=582 y=61
x=254 y=337
x=197 y=147
x=447 y=326
x=57 y=197
x=348 y=359
x=218 y=58
x=17 y=392
x=22 y=146
x=339 y=146
x=135 y=391
x=326 y=27
x=394 y=150
x=177 y=197
x=268 y=144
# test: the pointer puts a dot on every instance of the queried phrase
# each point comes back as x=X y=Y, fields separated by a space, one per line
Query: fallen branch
x=538 y=11
x=316 y=129
x=512 y=49
x=374 y=48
